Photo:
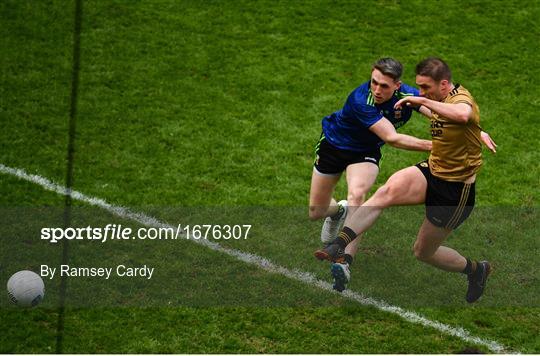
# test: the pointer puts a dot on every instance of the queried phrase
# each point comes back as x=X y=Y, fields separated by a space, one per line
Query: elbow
x=463 y=115
x=463 y=118
x=392 y=140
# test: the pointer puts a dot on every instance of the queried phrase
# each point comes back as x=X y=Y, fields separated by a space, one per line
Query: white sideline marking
x=261 y=262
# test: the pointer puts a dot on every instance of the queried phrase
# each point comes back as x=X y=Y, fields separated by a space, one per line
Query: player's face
x=429 y=88
x=382 y=86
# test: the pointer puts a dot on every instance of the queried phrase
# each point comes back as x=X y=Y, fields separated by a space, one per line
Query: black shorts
x=448 y=204
x=333 y=161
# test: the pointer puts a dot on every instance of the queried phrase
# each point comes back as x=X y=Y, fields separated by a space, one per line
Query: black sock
x=470 y=268
x=345 y=237
x=348 y=258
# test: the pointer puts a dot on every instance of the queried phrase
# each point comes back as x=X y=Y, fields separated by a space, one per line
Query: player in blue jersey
x=351 y=140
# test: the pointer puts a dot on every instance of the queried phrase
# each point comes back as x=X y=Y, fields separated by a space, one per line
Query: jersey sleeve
x=461 y=98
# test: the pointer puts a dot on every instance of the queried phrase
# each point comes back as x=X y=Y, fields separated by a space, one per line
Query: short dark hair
x=434 y=68
x=390 y=67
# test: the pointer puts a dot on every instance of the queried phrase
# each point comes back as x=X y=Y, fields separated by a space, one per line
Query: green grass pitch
x=207 y=112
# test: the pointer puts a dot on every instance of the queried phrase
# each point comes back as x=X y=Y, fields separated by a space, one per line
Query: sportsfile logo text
x=119 y=232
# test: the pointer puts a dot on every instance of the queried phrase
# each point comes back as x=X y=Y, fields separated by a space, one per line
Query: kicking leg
x=405 y=187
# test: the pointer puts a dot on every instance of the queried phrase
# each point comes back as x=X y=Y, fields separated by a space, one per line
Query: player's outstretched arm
x=458 y=112
x=386 y=131
x=425 y=111
x=488 y=141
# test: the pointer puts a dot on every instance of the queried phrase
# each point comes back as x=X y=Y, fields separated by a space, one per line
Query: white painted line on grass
x=259 y=261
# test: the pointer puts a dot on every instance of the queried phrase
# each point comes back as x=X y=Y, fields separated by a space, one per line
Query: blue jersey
x=348 y=128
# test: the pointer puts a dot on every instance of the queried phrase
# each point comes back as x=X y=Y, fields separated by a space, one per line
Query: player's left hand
x=488 y=141
x=408 y=101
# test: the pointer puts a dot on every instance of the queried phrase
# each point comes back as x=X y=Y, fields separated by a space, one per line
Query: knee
x=420 y=253
x=385 y=195
x=357 y=195
x=316 y=213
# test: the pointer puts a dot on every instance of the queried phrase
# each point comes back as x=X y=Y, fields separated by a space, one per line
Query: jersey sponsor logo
x=436 y=128
x=436 y=133
x=435 y=124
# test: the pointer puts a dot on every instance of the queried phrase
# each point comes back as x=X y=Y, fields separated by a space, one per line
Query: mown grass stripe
x=264 y=263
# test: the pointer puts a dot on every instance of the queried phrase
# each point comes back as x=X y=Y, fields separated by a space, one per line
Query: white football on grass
x=26 y=289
